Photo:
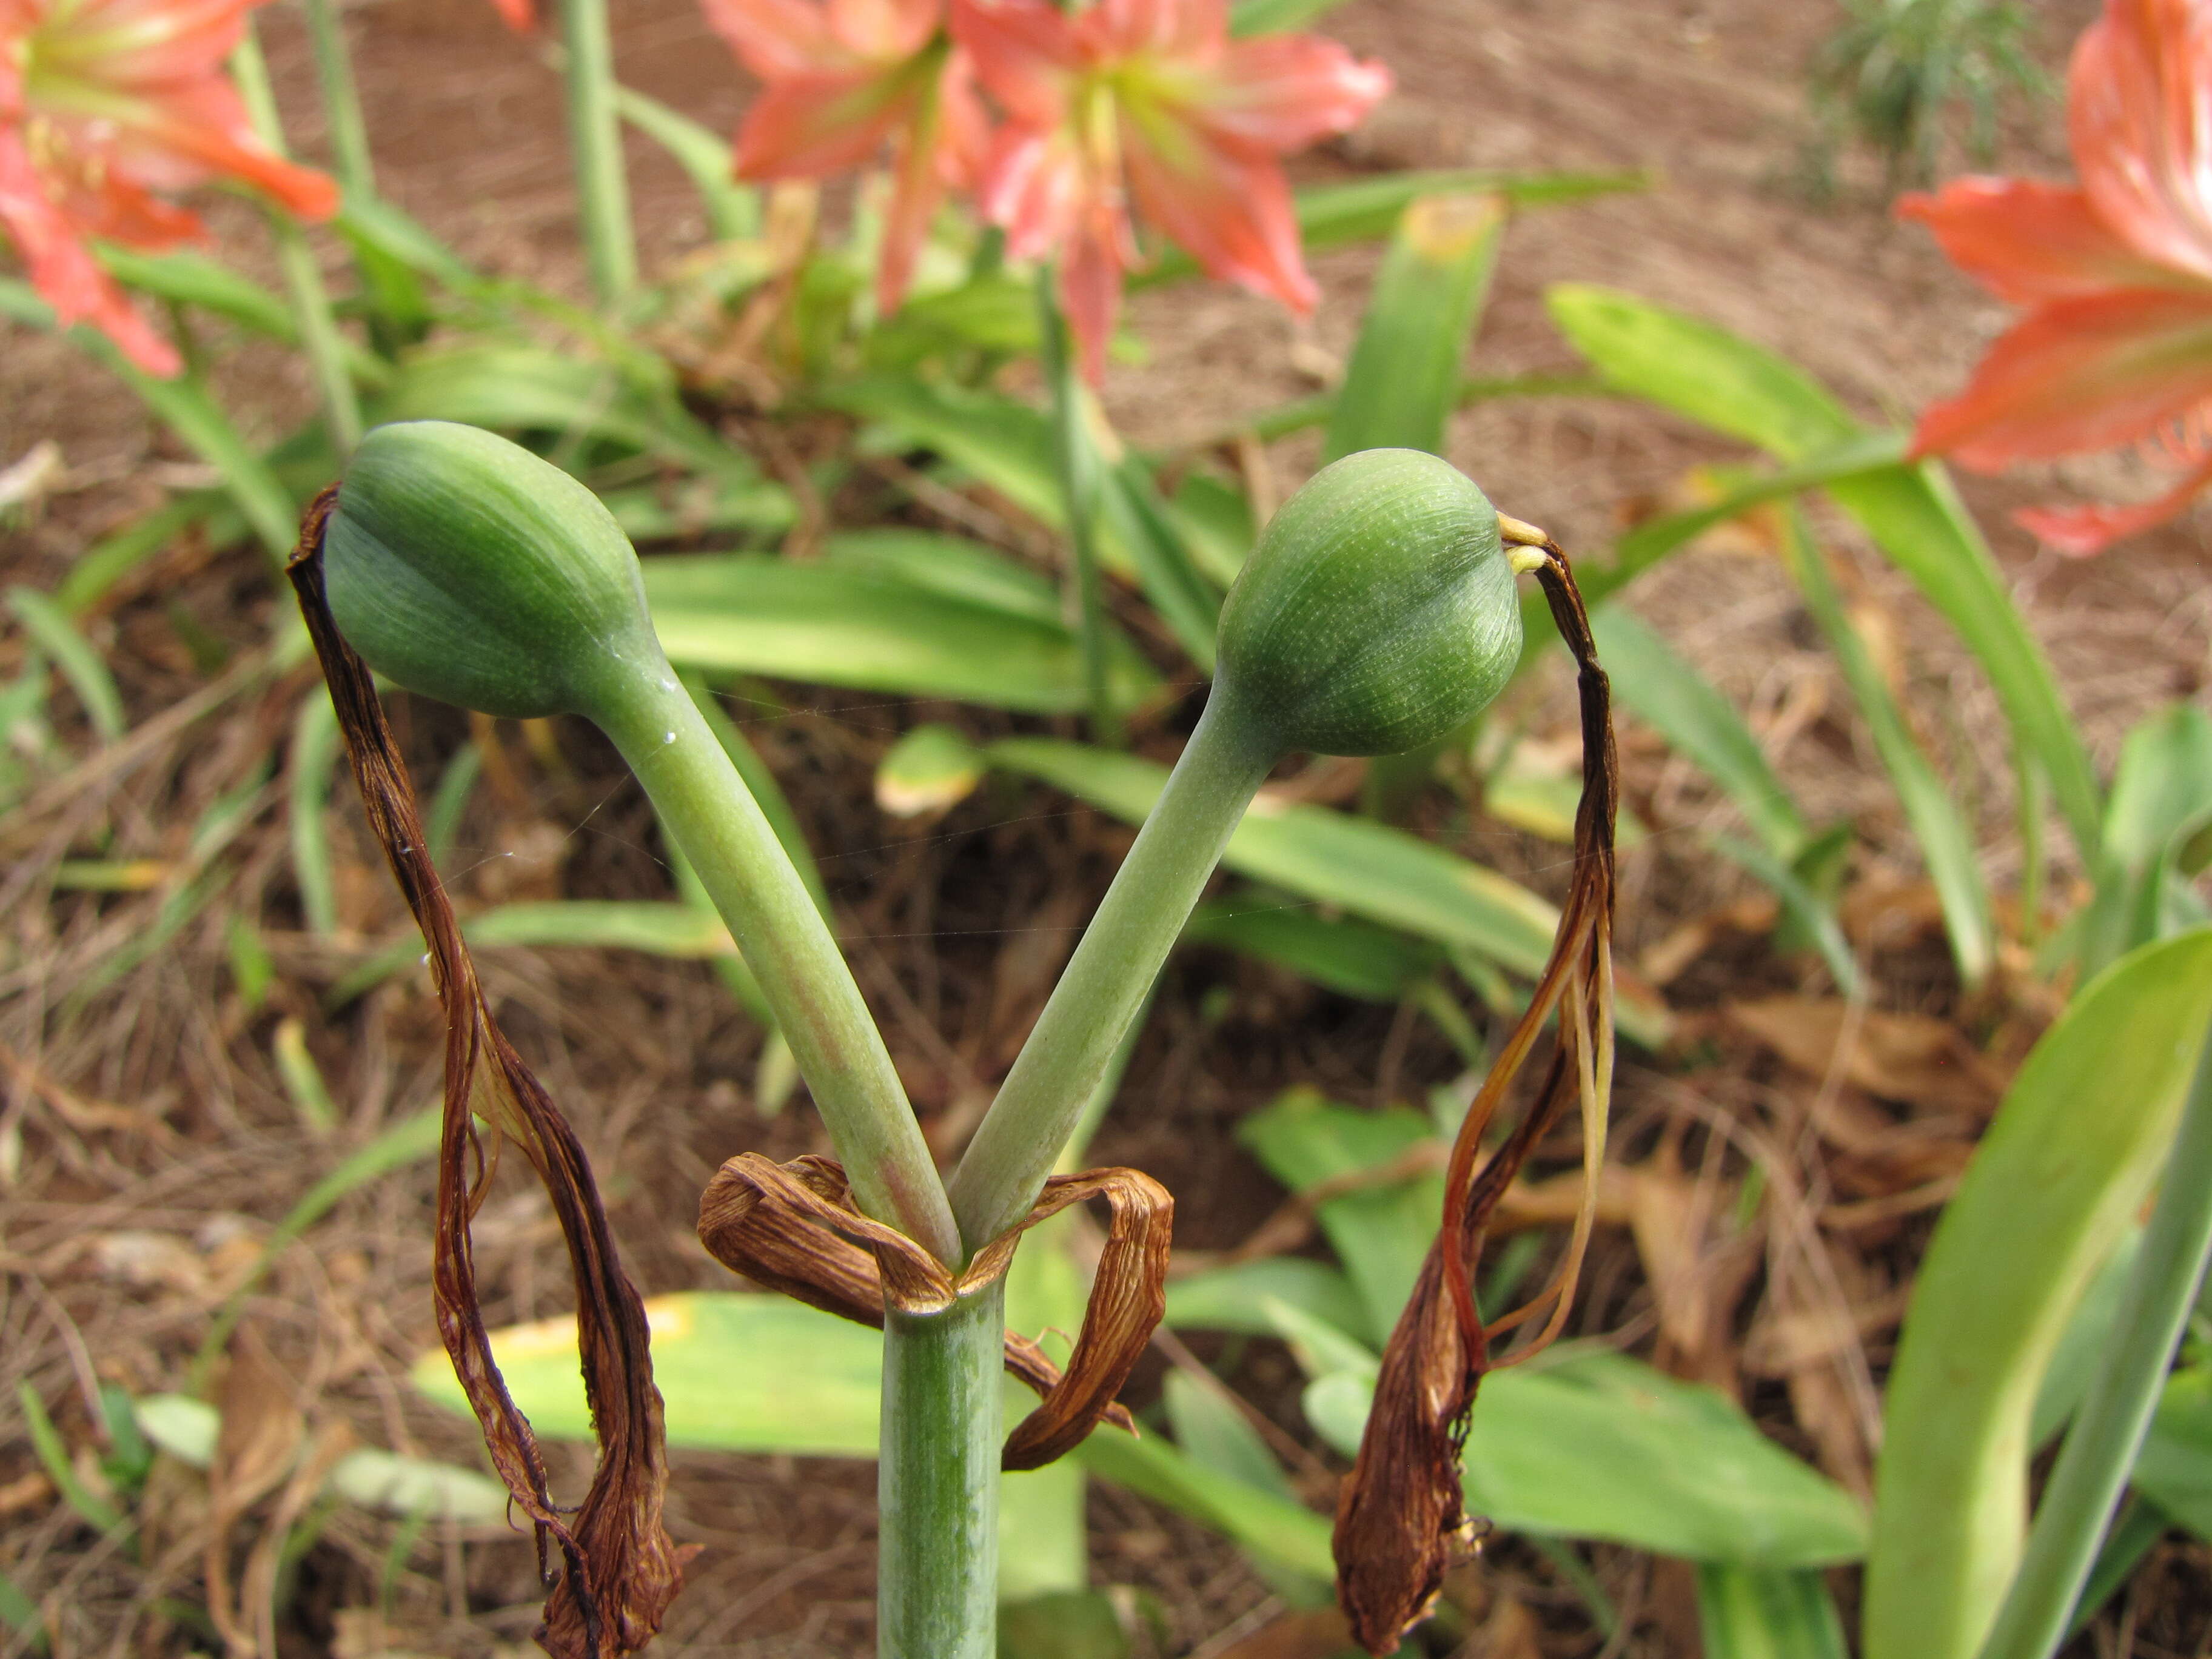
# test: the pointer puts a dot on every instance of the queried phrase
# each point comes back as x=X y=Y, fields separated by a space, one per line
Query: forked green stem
x=311 y=303
x=1227 y=758
x=736 y=857
x=2100 y=1452
x=1076 y=461
x=595 y=141
x=937 y=1482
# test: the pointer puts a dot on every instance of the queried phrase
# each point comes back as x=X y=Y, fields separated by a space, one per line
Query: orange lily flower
x=841 y=78
x=2117 y=346
x=102 y=103
x=1151 y=102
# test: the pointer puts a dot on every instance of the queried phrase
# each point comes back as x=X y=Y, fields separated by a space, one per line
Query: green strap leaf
x=733 y=209
x=1759 y=1613
x=1402 y=384
x=1912 y=512
x=1371 y=870
x=1945 y=840
x=2055 y=1183
x=1683 y=706
x=49 y=625
x=830 y=624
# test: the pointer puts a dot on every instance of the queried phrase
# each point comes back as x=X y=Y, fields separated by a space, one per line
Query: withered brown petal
x=792 y=1227
x=1400 y=1519
x=621 y=1570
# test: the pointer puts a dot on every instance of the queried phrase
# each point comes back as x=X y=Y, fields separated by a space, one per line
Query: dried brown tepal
x=621 y=1568
x=1401 y=1521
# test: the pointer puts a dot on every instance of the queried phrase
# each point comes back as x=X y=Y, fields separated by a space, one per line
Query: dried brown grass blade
x=1400 y=1522
x=793 y=1228
x=622 y=1571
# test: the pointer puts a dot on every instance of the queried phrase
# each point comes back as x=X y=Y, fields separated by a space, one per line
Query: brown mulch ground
x=146 y=1145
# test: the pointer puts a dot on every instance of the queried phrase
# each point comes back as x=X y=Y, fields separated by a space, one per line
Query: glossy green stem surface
x=1110 y=975
x=747 y=874
x=311 y=303
x=595 y=141
x=2108 y=1431
x=937 y=1482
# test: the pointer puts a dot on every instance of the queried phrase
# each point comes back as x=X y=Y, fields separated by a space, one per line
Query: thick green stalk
x=2108 y=1429
x=1075 y=459
x=937 y=1482
x=735 y=853
x=311 y=304
x=349 y=131
x=1111 y=973
x=595 y=140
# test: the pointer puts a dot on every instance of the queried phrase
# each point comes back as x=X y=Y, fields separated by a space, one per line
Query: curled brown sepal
x=793 y=1227
x=621 y=1568
x=1399 y=1521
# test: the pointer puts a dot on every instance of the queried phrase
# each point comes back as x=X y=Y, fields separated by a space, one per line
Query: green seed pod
x=1378 y=613
x=465 y=568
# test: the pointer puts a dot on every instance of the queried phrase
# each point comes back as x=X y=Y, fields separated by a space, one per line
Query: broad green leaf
x=1760 y=1612
x=21 y=1614
x=1212 y=1430
x=1042 y=1548
x=1217 y=524
x=1266 y=1526
x=1812 y=916
x=2174 y=1467
x=931 y=768
x=733 y=209
x=107 y=561
x=1277 y=16
x=315 y=744
x=1911 y=511
x=1150 y=536
x=950 y=566
x=1010 y=446
x=186 y=1429
x=1682 y=706
x=1234 y=1298
x=1648 y=542
x=2055 y=1183
x=49 y=627
x=1370 y=869
x=995 y=312
x=655 y=927
x=2074 y=1361
x=832 y=625
x=184 y=406
x=1070 y=1624
x=736 y=1373
x=1605 y=1447
x=510 y=386
x=1380 y=1234
x=1402 y=384
x=1353 y=958
x=1330 y=216
x=1945 y=842
x=2161 y=795
x=1005 y=444
x=1700 y=370
x=762 y=1373
x=1916 y=517
x=186 y=277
